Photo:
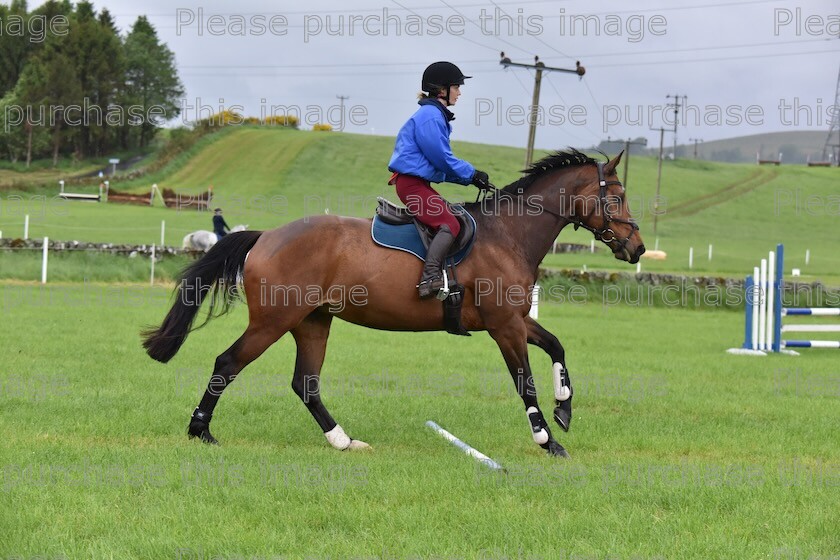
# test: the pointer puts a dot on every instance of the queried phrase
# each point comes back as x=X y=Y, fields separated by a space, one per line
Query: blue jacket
x=423 y=150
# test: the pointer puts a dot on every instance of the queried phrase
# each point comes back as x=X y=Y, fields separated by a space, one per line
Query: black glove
x=481 y=180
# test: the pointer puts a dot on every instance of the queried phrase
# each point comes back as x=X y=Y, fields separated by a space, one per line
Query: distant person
x=422 y=155
x=219 y=224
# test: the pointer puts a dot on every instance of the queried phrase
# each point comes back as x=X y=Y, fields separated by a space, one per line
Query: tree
x=14 y=44
x=151 y=78
x=51 y=79
x=98 y=58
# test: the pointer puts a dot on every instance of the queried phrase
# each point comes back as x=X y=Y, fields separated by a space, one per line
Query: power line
x=459 y=36
x=537 y=37
x=480 y=28
x=692 y=49
x=585 y=126
x=483 y=60
x=747 y=57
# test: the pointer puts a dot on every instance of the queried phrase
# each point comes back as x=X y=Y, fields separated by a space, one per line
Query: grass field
x=265 y=177
x=678 y=450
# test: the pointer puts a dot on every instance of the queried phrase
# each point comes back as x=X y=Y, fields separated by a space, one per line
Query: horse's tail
x=219 y=270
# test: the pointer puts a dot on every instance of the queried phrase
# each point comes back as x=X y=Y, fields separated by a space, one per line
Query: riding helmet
x=441 y=75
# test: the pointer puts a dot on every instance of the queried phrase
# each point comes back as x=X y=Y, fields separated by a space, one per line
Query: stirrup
x=442 y=292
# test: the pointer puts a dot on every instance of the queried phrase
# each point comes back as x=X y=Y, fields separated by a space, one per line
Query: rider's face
x=454 y=94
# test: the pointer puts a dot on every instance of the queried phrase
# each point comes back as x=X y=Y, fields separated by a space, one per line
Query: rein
x=605 y=233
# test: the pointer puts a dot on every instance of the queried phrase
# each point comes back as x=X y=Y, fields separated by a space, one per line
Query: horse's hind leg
x=563 y=392
x=229 y=363
x=311 y=339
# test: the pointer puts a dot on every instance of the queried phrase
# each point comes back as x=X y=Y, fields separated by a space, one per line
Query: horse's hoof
x=557 y=450
x=563 y=417
x=358 y=445
x=202 y=434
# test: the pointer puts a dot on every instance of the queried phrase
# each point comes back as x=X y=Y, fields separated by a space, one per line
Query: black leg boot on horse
x=431 y=281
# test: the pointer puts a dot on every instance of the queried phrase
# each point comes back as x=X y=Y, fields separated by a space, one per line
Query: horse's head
x=600 y=206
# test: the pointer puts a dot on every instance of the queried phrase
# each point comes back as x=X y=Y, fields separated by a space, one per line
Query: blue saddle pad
x=407 y=238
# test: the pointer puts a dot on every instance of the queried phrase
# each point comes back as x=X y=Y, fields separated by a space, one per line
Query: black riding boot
x=431 y=282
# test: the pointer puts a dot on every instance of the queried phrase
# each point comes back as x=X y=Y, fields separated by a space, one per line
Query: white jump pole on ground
x=710 y=251
x=592 y=246
x=656 y=245
x=691 y=257
x=44 y=260
x=638 y=267
x=162 y=232
x=26 y=227
x=475 y=454
x=807 y=256
x=152 y=281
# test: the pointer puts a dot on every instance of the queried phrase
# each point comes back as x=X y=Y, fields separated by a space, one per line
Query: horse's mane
x=558 y=160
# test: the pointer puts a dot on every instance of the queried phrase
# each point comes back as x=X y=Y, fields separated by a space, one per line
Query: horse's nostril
x=640 y=250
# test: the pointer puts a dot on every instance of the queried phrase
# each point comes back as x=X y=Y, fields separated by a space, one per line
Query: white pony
x=202 y=240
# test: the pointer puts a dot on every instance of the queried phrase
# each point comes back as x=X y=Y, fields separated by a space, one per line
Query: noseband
x=605 y=233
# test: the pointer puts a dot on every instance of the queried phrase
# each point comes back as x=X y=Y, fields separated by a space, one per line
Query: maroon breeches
x=425 y=203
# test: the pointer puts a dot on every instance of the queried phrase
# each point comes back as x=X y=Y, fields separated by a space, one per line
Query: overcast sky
x=739 y=63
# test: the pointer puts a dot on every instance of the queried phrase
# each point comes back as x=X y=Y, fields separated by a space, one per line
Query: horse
x=327 y=255
x=203 y=240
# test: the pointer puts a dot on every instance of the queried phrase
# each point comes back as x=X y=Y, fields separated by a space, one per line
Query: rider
x=219 y=224
x=422 y=155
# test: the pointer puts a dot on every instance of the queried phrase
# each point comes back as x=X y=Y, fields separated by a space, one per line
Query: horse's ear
x=609 y=169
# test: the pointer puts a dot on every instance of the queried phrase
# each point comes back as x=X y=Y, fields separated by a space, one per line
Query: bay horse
x=345 y=274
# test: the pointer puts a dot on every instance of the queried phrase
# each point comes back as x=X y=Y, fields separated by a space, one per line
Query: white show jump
x=764 y=313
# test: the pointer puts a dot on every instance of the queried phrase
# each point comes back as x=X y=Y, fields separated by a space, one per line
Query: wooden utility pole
x=342 y=98
x=658 y=179
x=695 y=140
x=627 y=144
x=676 y=105
x=535 y=101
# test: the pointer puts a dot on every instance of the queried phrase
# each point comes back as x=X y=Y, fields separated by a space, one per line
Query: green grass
x=679 y=450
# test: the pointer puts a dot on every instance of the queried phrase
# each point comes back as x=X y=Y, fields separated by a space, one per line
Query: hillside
x=267 y=177
x=795 y=145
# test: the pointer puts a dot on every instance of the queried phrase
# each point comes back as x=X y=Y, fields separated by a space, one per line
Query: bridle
x=605 y=233
x=605 y=230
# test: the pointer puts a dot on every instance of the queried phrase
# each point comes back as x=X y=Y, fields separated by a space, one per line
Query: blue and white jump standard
x=764 y=313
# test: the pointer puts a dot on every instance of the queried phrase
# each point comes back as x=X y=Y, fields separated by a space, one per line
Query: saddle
x=396 y=228
x=389 y=214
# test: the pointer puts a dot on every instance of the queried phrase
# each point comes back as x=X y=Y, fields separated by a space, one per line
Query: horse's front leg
x=512 y=340
x=563 y=392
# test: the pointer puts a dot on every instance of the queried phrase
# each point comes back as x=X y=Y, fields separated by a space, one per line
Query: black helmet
x=442 y=75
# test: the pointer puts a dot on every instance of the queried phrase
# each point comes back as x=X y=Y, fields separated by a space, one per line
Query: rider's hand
x=481 y=180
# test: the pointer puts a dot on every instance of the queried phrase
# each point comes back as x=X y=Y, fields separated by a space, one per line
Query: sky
x=736 y=68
